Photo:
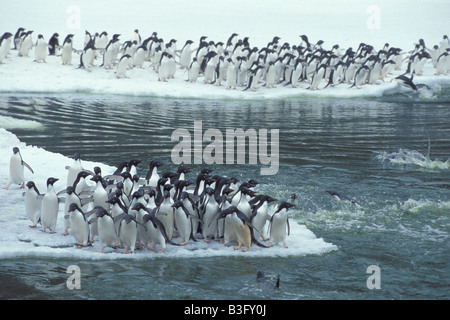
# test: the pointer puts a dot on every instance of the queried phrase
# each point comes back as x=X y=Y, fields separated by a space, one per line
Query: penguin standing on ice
x=33 y=203
x=87 y=56
x=123 y=65
x=17 y=38
x=53 y=44
x=182 y=222
x=360 y=76
x=79 y=226
x=279 y=224
x=5 y=45
x=128 y=232
x=16 y=169
x=106 y=229
x=26 y=44
x=50 y=207
x=67 y=49
x=40 y=50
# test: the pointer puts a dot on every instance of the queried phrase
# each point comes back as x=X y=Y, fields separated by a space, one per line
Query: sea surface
x=390 y=154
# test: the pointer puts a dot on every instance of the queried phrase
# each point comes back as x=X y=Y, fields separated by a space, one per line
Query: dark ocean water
x=391 y=154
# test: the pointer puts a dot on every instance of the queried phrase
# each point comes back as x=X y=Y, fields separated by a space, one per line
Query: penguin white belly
x=209 y=72
x=295 y=76
x=244 y=206
x=318 y=76
x=375 y=74
x=16 y=170
x=231 y=77
x=32 y=206
x=259 y=222
x=155 y=236
x=74 y=169
x=40 y=52
x=66 y=54
x=270 y=78
x=49 y=211
x=278 y=228
x=172 y=67
x=164 y=71
x=183 y=224
x=193 y=72
x=71 y=198
x=209 y=227
x=229 y=231
x=122 y=68
x=80 y=228
x=165 y=215
x=128 y=235
x=25 y=47
x=185 y=58
x=139 y=58
x=106 y=232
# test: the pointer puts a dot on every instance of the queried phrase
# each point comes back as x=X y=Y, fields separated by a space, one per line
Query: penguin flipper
x=288 y=226
x=28 y=166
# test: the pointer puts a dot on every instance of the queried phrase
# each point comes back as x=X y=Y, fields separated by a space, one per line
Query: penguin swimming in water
x=50 y=207
x=279 y=224
x=33 y=203
x=16 y=169
x=79 y=225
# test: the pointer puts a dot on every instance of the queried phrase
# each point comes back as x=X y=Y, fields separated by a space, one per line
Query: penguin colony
x=235 y=63
x=124 y=210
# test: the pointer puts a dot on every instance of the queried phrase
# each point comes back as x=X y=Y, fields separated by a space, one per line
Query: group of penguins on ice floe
x=237 y=64
x=126 y=211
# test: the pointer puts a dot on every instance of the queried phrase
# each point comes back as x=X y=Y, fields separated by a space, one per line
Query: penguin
x=152 y=176
x=193 y=211
x=71 y=197
x=443 y=63
x=193 y=71
x=17 y=38
x=317 y=78
x=164 y=67
x=360 y=76
x=53 y=44
x=80 y=185
x=221 y=71
x=16 y=169
x=253 y=79
x=243 y=204
x=183 y=222
x=271 y=75
x=386 y=68
x=33 y=203
x=279 y=223
x=40 y=50
x=166 y=214
x=231 y=75
x=139 y=57
x=186 y=54
x=260 y=215
x=123 y=65
x=75 y=168
x=128 y=232
x=155 y=228
x=50 y=207
x=79 y=226
x=106 y=229
x=209 y=212
x=87 y=57
x=110 y=54
x=375 y=71
x=242 y=227
x=296 y=73
x=26 y=44
x=5 y=45
x=67 y=49
x=208 y=67
x=406 y=82
x=101 y=41
x=137 y=37
x=99 y=198
x=267 y=284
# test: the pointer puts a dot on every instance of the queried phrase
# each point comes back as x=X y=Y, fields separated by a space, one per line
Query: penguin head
x=284 y=205
x=75 y=156
x=51 y=181
x=177 y=204
x=16 y=150
x=96 y=178
x=30 y=184
x=156 y=163
x=138 y=206
x=270 y=199
x=70 y=190
x=183 y=169
x=73 y=207
x=227 y=191
x=209 y=191
x=101 y=212
x=224 y=213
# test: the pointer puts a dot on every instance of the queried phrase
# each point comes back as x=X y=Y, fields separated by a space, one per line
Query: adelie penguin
x=279 y=227
x=79 y=225
x=5 y=46
x=50 y=207
x=33 y=203
x=53 y=44
x=16 y=169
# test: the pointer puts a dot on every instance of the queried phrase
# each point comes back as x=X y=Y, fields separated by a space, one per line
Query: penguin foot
x=182 y=243
x=238 y=247
x=285 y=245
x=65 y=233
x=33 y=226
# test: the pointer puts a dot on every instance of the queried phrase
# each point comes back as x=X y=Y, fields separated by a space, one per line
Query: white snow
x=347 y=23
